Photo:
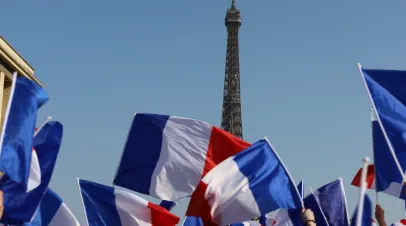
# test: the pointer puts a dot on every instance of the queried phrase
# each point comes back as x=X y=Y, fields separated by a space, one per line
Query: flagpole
x=371 y=112
x=392 y=151
x=362 y=191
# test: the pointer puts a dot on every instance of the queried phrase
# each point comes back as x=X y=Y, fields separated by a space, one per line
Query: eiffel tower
x=231 y=115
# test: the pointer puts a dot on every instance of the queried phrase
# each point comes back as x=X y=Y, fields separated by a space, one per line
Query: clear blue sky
x=101 y=61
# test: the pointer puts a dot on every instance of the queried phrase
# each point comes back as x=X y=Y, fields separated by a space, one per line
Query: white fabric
x=180 y=140
x=282 y=219
x=34 y=178
x=229 y=195
x=132 y=209
x=64 y=217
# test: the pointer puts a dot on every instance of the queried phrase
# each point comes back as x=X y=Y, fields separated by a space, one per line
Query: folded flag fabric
x=331 y=198
x=20 y=205
x=106 y=206
x=53 y=212
x=170 y=204
x=166 y=156
x=16 y=138
x=247 y=185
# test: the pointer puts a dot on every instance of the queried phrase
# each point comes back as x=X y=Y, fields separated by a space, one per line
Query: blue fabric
x=295 y=215
x=389 y=96
x=19 y=205
x=193 y=221
x=267 y=177
x=332 y=202
x=366 y=213
x=386 y=170
x=100 y=204
x=141 y=152
x=310 y=202
x=167 y=204
x=50 y=204
x=17 y=141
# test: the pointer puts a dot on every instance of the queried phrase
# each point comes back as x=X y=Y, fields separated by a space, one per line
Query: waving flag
x=166 y=156
x=53 y=212
x=256 y=182
x=106 y=206
x=16 y=138
x=331 y=198
x=20 y=205
x=383 y=176
x=388 y=97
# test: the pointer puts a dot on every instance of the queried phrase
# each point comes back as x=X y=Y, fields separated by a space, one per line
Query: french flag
x=19 y=205
x=166 y=156
x=53 y=212
x=247 y=185
x=16 y=138
x=106 y=206
x=383 y=176
x=34 y=178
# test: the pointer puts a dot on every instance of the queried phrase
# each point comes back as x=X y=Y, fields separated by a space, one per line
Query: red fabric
x=222 y=146
x=370 y=177
x=162 y=217
x=403 y=221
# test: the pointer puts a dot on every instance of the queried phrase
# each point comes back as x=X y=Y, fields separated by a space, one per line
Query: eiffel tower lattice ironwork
x=231 y=120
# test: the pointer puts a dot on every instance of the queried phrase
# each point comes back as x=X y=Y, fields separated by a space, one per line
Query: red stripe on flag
x=199 y=206
x=370 y=177
x=162 y=217
x=221 y=146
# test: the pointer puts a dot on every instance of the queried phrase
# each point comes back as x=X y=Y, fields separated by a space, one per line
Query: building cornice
x=16 y=61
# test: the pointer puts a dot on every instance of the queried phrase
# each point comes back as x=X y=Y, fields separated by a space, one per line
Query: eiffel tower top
x=233 y=15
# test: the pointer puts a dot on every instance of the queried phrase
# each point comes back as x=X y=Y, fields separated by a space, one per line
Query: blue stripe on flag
x=193 y=221
x=267 y=176
x=53 y=202
x=100 y=204
x=19 y=205
x=26 y=97
x=142 y=150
